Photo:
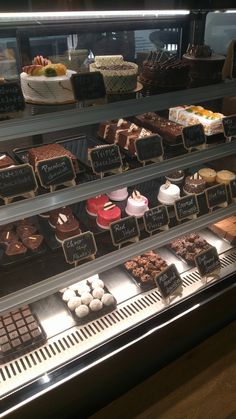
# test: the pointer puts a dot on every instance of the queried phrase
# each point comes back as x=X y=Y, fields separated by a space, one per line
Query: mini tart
x=94 y=204
x=106 y=215
x=225 y=176
x=207 y=174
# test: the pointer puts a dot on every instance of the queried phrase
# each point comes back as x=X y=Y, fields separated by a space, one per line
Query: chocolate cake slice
x=50 y=151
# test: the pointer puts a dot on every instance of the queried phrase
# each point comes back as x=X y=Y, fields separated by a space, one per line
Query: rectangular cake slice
x=50 y=151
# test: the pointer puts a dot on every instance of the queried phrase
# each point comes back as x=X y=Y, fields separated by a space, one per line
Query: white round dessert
x=97 y=283
x=86 y=298
x=118 y=195
x=136 y=205
x=68 y=294
x=168 y=194
x=82 y=311
x=98 y=293
x=83 y=289
x=62 y=290
x=95 y=305
x=73 y=303
x=75 y=286
x=108 y=299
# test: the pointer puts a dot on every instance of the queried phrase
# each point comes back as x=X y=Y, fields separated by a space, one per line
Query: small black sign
x=149 y=148
x=193 y=136
x=88 y=85
x=105 y=158
x=216 y=195
x=186 y=207
x=79 y=247
x=124 y=230
x=207 y=261
x=11 y=98
x=168 y=281
x=17 y=180
x=229 y=125
x=232 y=187
x=55 y=171
x=156 y=218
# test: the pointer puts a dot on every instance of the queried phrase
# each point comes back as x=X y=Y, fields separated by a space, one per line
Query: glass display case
x=113 y=266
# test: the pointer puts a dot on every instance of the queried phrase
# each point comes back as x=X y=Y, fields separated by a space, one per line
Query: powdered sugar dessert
x=168 y=193
x=137 y=204
x=46 y=83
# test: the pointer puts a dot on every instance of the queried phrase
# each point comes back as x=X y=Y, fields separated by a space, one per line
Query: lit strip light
x=230 y=11
x=97 y=14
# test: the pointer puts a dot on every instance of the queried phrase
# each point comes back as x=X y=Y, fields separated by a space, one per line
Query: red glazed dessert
x=94 y=204
x=55 y=214
x=66 y=227
x=106 y=215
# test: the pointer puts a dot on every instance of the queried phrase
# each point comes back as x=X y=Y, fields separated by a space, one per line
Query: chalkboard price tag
x=149 y=148
x=17 y=181
x=168 y=281
x=194 y=136
x=124 y=231
x=232 y=187
x=186 y=207
x=55 y=171
x=216 y=196
x=156 y=218
x=229 y=126
x=11 y=98
x=80 y=247
x=208 y=262
x=105 y=158
x=88 y=86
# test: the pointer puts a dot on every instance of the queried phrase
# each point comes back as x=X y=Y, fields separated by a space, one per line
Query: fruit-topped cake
x=106 y=215
x=46 y=83
x=66 y=227
x=137 y=204
x=96 y=203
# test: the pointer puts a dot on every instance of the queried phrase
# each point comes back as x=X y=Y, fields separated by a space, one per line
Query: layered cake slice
x=169 y=130
x=226 y=229
x=50 y=151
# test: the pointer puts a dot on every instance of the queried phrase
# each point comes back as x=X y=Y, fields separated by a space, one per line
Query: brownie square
x=13 y=334
x=26 y=337
x=15 y=342
x=17 y=316
x=29 y=319
x=7 y=321
x=3 y=339
x=6 y=347
x=20 y=323
x=23 y=330
x=10 y=328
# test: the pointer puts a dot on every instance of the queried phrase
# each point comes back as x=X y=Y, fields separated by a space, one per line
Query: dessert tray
x=188 y=246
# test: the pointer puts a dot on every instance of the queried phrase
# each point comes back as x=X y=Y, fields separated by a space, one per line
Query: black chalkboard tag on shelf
x=149 y=149
x=56 y=171
x=216 y=196
x=124 y=231
x=194 y=137
x=232 y=187
x=208 y=263
x=87 y=86
x=169 y=282
x=105 y=158
x=11 y=98
x=17 y=181
x=229 y=127
x=186 y=207
x=156 y=219
x=80 y=247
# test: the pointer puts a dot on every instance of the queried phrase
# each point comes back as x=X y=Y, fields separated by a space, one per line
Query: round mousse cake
x=106 y=215
x=118 y=195
x=137 y=204
x=207 y=174
x=194 y=184
x=66 y=227
x=175 y=177
x=168 y=193
x=224 y=176
x=53 y=217
x=96 y=203
x=46 y=83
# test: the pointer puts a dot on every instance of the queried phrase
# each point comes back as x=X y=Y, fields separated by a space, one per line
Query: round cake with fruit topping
x=47 y=83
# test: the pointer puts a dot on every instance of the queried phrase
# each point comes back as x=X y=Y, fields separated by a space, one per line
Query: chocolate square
x=6 y=347
x=2 y=332
x=17 y=316
x=26 y=313
x=22 y=330
x=15 y=342
x=3 y=339
x=26 y=337
x=29 y=319
x=13 y=335
x=32 y=326
x=20 y=323
x=35 y=333
x=7 y=321
x=10 y=327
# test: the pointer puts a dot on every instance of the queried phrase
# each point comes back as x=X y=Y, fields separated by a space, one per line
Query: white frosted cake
x=119 y=76
x=118 y=195
x=168 y=193
x=47 y=83
x=137 y=204
x=191 y=115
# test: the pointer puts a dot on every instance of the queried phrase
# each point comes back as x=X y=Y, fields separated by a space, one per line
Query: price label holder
x=56 y=172
x=149 y=149
x=12 y=99
x=169 y=283
x=79 y=248
x=194 y=137
x=87 y=86
x=229 y=127
x=124 y=231
x=232 y=188
x=208 y=264
x=17 y=181
x=156 y=219
x=186 y=208
x=216 y=196
x=105 y=159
